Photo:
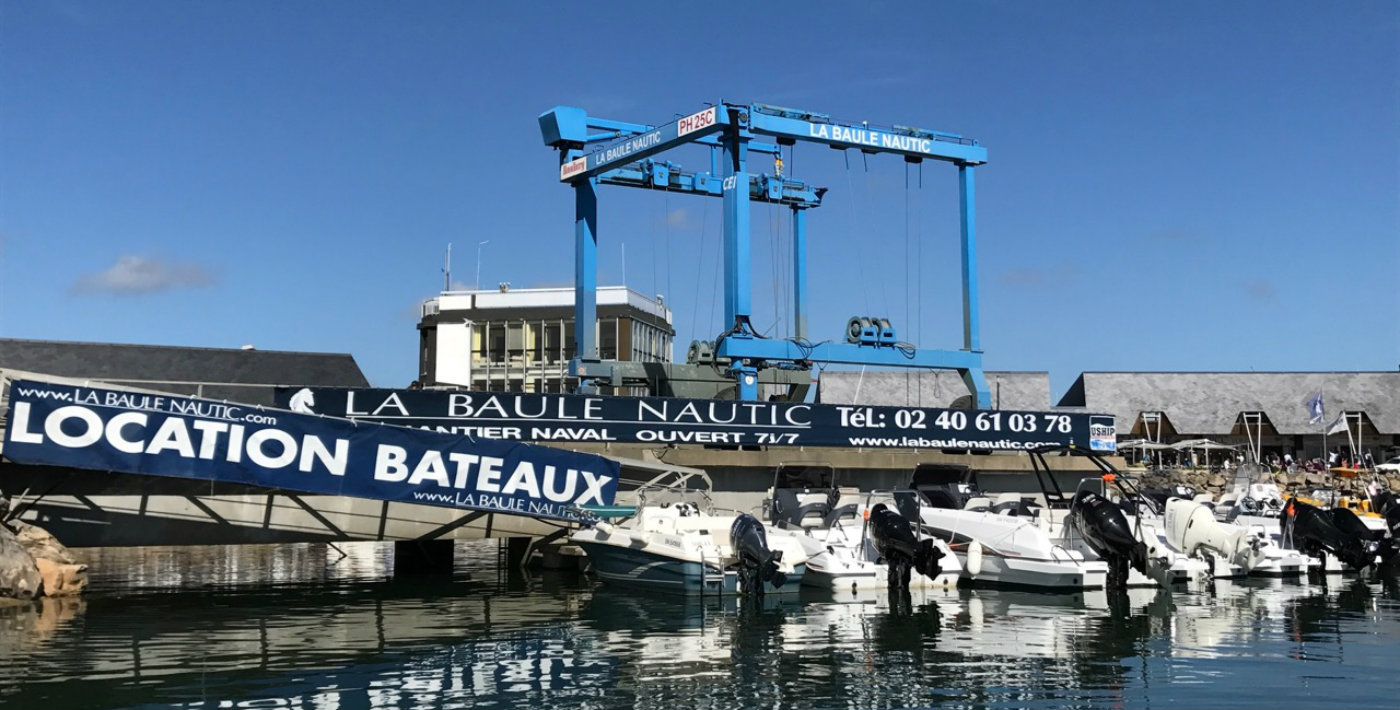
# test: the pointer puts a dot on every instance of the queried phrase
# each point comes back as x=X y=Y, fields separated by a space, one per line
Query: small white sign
x=573 y=167
x=696 y=121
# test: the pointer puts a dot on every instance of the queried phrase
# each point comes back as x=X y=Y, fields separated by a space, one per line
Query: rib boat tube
x=1193 y=529
x=894 y=540
x=1317 y=532
x=1105 y=529
x=758 y=565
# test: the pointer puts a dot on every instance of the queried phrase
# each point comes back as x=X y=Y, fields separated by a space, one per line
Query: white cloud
x=134 y=275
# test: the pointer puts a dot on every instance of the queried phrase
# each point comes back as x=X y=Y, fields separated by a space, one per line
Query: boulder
x=19 y=575
x=39 y=543
x=63 y=574
x=1216 y=482
x=61 y=579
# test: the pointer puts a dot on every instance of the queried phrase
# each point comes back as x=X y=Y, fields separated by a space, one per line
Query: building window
x=607 y=340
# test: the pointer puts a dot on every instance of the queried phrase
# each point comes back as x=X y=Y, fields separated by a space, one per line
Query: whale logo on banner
x=187 y=437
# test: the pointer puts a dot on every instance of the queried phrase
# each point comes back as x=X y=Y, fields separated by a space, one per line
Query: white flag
x=1340 y=424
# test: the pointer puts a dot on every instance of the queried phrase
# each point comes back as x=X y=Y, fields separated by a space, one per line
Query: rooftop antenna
x=479 y=245
x=447 y=269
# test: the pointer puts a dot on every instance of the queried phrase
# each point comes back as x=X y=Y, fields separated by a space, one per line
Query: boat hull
x=642 y=569
x=824 y=572
x=1021 y=572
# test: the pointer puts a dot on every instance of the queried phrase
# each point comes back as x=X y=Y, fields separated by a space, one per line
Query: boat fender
x=974 y=559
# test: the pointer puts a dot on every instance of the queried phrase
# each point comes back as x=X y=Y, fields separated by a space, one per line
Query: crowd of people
x=1284 y=463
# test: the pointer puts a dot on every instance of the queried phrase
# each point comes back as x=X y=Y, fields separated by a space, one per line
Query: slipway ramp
x=107 y=465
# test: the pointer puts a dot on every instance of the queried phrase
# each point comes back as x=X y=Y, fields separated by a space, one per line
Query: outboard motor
x=1192 y=529
x=1104 y=527
x=1316 y=532
x=1391 y=511
x=1389 y=508
x=895 y=541
x=757 y=564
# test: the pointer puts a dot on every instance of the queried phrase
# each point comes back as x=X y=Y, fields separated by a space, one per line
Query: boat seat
x=1018 y=506
x=799 y=508
x=980 y=504
x=849 y=511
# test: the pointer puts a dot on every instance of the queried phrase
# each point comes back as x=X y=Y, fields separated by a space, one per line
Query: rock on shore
x=1218 y=483
x=33 y=564
x=19 y=574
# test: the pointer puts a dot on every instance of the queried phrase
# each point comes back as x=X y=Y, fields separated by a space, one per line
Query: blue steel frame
x=594 y=151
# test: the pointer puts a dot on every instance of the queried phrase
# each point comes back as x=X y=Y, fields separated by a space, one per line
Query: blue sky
x=1173 y=186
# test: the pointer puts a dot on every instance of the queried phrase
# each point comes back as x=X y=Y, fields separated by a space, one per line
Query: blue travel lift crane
x=595 y=151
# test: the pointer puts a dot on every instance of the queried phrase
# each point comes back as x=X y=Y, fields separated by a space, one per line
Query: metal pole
x=585 y=270
x=967 y=197
x=799 y=272
x=735 y=189
x=478 y=261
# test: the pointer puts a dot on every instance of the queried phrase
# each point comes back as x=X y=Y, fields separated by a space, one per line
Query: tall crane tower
x=594 y=151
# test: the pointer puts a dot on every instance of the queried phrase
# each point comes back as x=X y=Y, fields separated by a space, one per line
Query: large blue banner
x=186 y=437
x=527 y=416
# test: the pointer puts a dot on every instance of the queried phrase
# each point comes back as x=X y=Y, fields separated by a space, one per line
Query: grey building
x=1263 y=412
x=242 y=375
x=933 y=388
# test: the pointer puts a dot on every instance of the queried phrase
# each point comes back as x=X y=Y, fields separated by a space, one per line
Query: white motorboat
x=847 y=539
x=1110 y=519
x=1163 y=563
x=1230 y=550
x=674 y=540
x=1009 y=543
x=855 y=553
x=1184 y=542
x=1255 y=503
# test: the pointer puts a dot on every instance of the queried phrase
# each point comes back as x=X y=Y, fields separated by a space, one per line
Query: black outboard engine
x=1389 y=508
x=1160 y=496
x=1317 y=532
x=1103 y=525
x=757 y=564
x=895 y=541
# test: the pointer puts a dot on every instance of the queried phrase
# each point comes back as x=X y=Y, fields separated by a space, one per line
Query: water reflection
x=298 y=626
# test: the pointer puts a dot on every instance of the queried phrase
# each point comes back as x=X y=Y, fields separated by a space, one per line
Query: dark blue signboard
x=521 y=416
x=186 y=437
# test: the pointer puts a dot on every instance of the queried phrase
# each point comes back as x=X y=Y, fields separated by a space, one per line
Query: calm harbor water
x=299 y=626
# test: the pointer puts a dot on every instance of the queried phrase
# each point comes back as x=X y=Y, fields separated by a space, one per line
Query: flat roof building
x=521 y=340
x=933 y=388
